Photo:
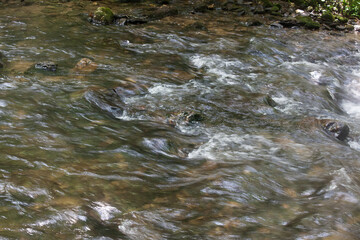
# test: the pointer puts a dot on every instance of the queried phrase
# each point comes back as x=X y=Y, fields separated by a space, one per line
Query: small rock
x=349 y=27
x=259 y=10
x=340 y=27
x=85 y=65
x=336 y=129
x=276 y=25
x=289 y=22
x=254 y=23
x=1 y=62
x=162 y=12
x=120 y=21
x=46 y=66
x=185 y=118
x=301 y=12
x=269 y=101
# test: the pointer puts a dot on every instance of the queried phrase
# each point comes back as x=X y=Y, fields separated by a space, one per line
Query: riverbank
x=276 y=14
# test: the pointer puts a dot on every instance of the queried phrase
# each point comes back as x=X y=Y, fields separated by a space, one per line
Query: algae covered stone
x=103 y=15
x=327 y=16
x=307 y=22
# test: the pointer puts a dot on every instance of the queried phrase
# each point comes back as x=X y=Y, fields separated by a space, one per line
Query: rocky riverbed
x=214 y=121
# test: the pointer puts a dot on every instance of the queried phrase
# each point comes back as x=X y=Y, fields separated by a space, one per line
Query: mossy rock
x=327 y=16
x=275 y=8
x=266 y=3
x=342 y=19
x=307 y=22
x=300 y=3
x=104 y=15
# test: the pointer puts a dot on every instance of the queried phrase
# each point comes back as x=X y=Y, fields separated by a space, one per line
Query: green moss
x=307 y=22
x=275 y=8
x=342 y=19
x=104 y=15
x=327 y=16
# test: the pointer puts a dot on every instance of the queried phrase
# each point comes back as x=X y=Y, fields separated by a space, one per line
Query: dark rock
x=336 y=129
x=1 y=60
x=120 y=21
x=254 y=23
x=163 y=2
x=135 y=21
x=196 y=26
x=269 y=101
x=46 y=66
x=328 y=17
x=289 y=22
x=162 y=12
x=258 y=10
x=201 y=8
x=185 y=118
x=128 y=89
x=276 y=25
x=266 y=3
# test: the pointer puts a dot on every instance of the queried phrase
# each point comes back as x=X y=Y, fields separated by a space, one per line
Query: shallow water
x=79 y=161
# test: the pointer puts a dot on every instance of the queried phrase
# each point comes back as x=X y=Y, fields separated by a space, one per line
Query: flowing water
x=79 y=161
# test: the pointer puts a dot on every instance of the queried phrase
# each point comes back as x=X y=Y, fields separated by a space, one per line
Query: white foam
x=339 y=187
x=105 y=211
x=352 y=108
x=234 y=147
x=354 y=145
x=3 y=103
x=163 y=89
x=220 y=67
x=285 y=104
x=315 y=76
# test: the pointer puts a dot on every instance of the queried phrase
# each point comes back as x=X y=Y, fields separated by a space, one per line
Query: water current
x=79 y=160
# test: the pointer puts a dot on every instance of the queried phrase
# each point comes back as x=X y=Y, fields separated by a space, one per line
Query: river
x=78 y=162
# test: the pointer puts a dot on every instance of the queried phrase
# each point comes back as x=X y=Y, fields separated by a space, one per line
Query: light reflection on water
x=91 y=154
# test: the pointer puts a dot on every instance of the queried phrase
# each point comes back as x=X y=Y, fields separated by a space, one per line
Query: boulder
x=103 y=15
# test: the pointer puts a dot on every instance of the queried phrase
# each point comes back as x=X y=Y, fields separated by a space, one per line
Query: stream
x=93 y=155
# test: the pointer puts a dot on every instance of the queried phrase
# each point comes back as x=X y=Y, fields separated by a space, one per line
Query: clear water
x=79 y=162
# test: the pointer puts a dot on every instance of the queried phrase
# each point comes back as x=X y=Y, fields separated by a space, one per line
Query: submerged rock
x=85 y=65
x=185 y=118
x=1 y=60
x=46 y=66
